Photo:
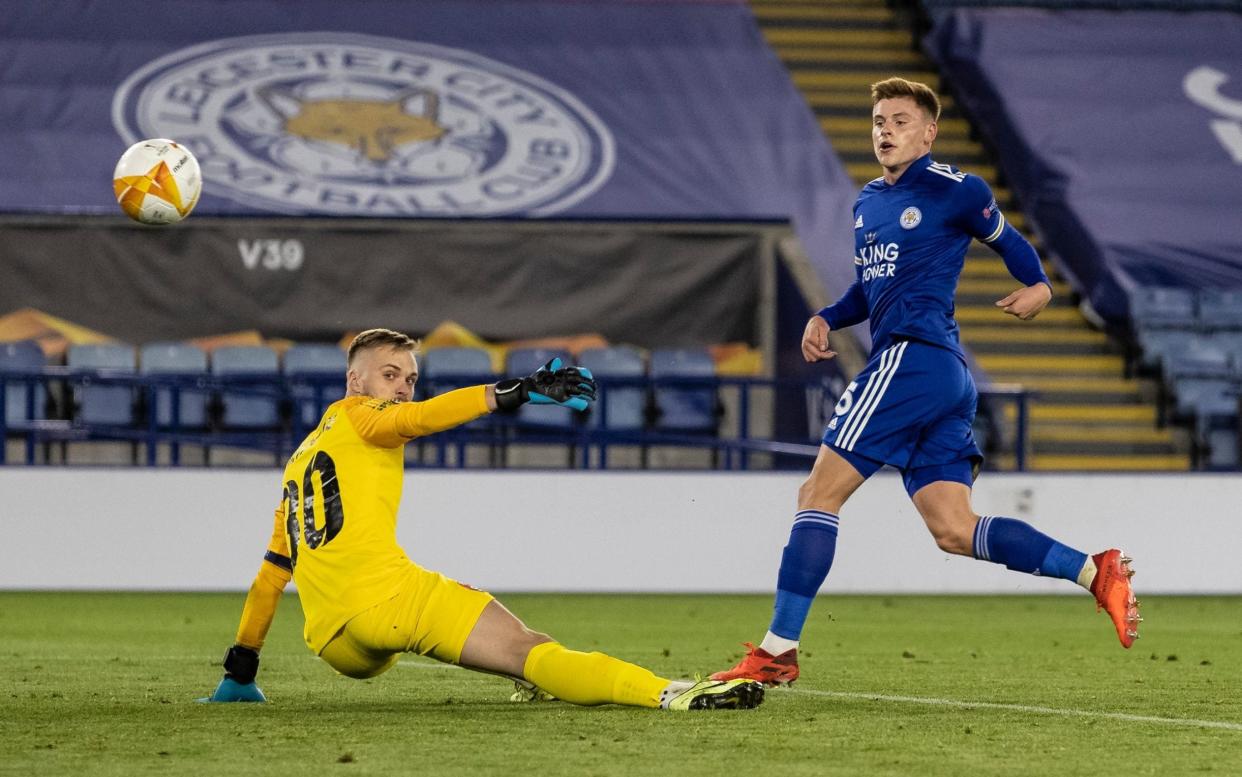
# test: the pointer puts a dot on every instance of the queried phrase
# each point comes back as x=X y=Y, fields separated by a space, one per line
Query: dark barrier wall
x=1120 y=132
x=314 y=279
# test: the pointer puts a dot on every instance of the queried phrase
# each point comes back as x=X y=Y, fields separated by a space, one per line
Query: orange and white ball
x=157 y=181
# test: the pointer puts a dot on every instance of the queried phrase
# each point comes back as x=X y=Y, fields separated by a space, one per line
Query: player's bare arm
x=1027 y=302
x=815 y=341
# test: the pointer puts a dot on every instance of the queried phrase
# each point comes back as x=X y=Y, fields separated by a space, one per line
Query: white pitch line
x=935 y=702
x=987 y=705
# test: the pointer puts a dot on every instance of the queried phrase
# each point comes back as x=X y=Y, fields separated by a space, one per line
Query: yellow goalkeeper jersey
x=338 y=519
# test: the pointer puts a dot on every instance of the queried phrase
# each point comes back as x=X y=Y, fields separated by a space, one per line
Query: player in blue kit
x=912 y=406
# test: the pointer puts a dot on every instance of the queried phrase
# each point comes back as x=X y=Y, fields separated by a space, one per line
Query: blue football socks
x=804 y=565
x=1022 y=548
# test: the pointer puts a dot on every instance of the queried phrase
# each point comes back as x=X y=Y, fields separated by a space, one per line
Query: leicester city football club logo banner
x=357 y=125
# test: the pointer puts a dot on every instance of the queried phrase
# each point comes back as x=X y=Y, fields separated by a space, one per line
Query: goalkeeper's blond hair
x=379 y=338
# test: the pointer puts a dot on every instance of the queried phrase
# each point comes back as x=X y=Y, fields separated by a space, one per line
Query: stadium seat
x=625 y=406
x=1220 y=309
x=684 y=410
x=1164 y=307
x=22 y=356
x=1215 y=409
x=1155 y=344
x=109 y=405
x=176 y=359
x=524 y=361
x=1197 y=358
x=444 y=369
x=318 y=364
x=1192 y=395
x=247 y=410
x=1231 y=343
x=1222 y=449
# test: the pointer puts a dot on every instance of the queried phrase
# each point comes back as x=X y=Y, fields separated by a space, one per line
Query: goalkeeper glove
x=552 y=384
x=241 y=664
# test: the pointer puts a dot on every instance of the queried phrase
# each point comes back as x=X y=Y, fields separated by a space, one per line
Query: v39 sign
x=271 y=254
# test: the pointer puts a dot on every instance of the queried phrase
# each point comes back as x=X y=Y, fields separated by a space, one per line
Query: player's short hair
x=380 y=338
x=922 y=94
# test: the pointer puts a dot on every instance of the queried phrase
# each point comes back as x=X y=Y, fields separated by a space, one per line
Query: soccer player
x=913 y=404
x=365 y=602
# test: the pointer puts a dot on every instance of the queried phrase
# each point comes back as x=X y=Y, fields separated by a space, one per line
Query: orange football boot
x=1114 y=595
x=761 y=666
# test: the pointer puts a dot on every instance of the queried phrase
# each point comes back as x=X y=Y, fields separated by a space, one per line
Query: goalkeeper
x=365 y=602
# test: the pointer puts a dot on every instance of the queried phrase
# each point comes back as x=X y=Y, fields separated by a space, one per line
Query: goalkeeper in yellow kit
x=365 y=601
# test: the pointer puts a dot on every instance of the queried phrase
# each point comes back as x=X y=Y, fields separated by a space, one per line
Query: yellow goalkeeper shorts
x=433 y=615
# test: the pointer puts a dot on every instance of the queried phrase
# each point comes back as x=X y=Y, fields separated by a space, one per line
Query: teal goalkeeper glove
x=551 y=384
x=241 y=664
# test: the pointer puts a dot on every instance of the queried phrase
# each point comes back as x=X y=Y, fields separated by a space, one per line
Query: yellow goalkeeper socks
x=591 y=678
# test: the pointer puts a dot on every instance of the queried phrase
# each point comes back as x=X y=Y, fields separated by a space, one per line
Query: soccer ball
x=157 y=181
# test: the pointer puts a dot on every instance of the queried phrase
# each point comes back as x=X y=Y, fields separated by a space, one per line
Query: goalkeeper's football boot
x=712 y=695
x=524 y=691
x=763 y=667
x=1114 y=595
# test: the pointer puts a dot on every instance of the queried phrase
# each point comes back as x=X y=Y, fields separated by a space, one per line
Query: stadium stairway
x=1087 y=414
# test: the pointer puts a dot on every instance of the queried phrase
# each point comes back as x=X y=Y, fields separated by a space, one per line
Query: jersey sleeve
x=849 y=310
x=393 y=424
x=981 y=217
x=977 y=211
x=278 y=546
x=274 y=574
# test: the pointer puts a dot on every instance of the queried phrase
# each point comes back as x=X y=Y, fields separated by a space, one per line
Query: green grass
x=103 y=684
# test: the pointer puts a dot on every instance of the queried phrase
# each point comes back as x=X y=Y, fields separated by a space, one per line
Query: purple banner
x=431 y=109
x=1120 y=132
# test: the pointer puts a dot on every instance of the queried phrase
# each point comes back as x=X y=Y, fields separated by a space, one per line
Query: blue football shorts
x=911 y=407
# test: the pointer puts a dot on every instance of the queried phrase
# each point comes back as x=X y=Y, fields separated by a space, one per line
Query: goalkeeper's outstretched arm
x=390 y=424
x=241 y=662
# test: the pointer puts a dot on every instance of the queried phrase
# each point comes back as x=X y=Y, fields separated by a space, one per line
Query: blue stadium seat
x=1163 y=307
x=22 y=356
x=692 y=410
x=626 y=406
x=180 y=359
x=109 y=405
x=524 y=361
x=1197 y=358
x=1193 y=395
x=245 y=410
x=1215 y=409
x=1155 y=344
x=1220 y=309
x=1231 y=343
x=444 y=369
x=318 y=363
x=1222 y=449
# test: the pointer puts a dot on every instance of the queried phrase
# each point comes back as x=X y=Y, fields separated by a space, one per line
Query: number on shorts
x=846 y=401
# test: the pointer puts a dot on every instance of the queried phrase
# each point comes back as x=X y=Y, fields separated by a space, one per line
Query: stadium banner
x=1103 y=5
x=601 y=109
x=633 y=533
x=1120 y=132
x=316 y=279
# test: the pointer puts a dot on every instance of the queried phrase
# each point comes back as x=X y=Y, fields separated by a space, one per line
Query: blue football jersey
x=910 y=241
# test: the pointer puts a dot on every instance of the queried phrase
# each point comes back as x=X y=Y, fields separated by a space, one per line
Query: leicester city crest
x=358 y=125
x=911 y=217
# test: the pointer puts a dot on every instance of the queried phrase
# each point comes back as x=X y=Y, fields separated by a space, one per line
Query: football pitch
x=104 y=684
